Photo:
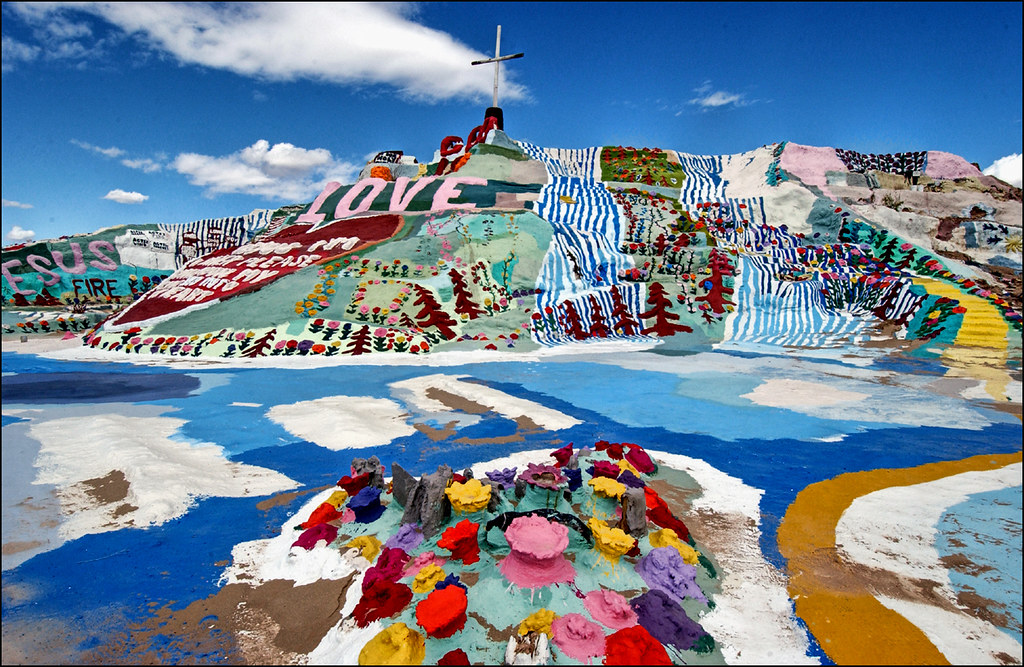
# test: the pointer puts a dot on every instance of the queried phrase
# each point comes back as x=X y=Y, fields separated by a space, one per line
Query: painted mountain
x=501 y=245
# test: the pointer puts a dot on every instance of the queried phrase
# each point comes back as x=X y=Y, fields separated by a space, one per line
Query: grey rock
x=634 y=512
x=428 y=505
x=402 y=484
x=371 y=465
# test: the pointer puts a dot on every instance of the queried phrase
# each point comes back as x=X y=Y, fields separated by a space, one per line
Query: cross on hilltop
x=497 y=63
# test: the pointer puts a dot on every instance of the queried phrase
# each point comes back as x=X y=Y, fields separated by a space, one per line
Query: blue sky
x=133 y=113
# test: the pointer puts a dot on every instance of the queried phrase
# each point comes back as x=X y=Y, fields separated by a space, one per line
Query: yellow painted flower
x=427 y=578
x=611 y=542
x=606 y=487
x=539 y=621
x=396 y=644
x=330 y=291
x=299 y=309
x=338 y=498
x=470 y=496
x=667 y=537
x=368 y=545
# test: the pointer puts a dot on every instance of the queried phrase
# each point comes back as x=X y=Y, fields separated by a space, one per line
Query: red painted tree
x=598 y=328
x=571 y=322
x=432 y=314
x=624 y=322
x=464 y=304
x=664 y=319
x=717 y=294
x=258 y=348
x=360 y=341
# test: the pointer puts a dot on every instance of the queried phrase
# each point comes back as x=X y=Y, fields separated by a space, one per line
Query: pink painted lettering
x=450 y=189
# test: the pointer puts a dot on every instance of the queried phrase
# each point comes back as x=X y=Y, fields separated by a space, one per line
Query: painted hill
x=509 y=246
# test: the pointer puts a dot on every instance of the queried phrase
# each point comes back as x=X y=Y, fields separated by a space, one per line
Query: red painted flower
x=660 y=515
x=354 y=485
x=634 y=646
x=604 y=469
x=614 y=450
x=640 y=459
x=454 y=657
x=443 y=613
x=322 y=514
x=461 y=540
x=562 y=455
x=382 y=600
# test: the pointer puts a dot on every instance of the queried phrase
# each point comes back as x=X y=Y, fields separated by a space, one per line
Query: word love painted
x=232 y=271
x=358 y=200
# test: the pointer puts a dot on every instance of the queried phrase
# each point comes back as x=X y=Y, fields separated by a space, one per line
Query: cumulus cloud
x=280 y=171
x=344 y=43
x=18 y=234
x=709 y=98
x=122 y=197
x=108 y=152
x=1006 y=169
x=15 y=204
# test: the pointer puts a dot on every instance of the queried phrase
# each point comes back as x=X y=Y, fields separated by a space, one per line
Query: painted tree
x=717 y=294
x=624 y=321
x=664 y=319
x=572 y=324
x=598 y=328
x=464 y=304
x=361 y=341
x=259 y=347
x=432 y=314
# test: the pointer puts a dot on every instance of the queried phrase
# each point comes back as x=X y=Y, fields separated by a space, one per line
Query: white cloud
x=109 y=152
x=343 y=43
x=280 y=171
x=1006 y=169
x=122 y=197
x=15 y=204
x=19 y=234
x=14 y=51
x=708 y=98
x=144 y=164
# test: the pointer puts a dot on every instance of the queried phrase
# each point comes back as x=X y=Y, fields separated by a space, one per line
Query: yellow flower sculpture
x=338 y=498
x=427 y=578
x=610 y=542
x=368 y=545
x=539 y=621
x=667 y=537
x=626 y=465
x=470 y=496
x=607 y=487
x=396 y=644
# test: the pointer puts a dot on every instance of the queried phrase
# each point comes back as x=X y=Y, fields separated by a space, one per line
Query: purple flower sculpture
x=629 y=479
x=543 y=476
x=505 y=477
x=575 y=477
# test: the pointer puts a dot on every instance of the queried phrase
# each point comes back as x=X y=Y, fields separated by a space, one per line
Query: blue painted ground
x=100 y=584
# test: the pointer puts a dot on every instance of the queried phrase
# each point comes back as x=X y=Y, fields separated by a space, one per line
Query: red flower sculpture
x=354 y=485
x=563 y=455
x=640 y=459
x=322 y=514
x=614 y=449
x=604 y=469
x=443 y=613
x=454 y=657
x=461 y=540
x=382 y=600
x=389 y=567
x=659 y=514
x=634 y=646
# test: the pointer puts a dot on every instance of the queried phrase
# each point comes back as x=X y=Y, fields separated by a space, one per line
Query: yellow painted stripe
x=835 y=599
x=979 y=351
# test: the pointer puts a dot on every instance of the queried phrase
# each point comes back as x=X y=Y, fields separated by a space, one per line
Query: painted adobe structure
x=512 y=250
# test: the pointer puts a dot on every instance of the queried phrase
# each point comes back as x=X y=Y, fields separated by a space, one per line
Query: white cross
x=497 y=62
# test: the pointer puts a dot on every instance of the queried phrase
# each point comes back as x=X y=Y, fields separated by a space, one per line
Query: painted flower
x=426 y=579
x=443 y=613
x=610 y=542
x=470 y=496
x=396 y=644
x=539 y=621
x=506 y=477
x=562 y=455
x=606 y=487
x=634 y=646
x=461 y=540
x=543 y=476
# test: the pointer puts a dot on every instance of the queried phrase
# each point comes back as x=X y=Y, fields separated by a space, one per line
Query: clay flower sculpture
x=631 y=480
x=322 y=514
x=610 y=608
x=604 y=469
x=659 y=514
x=606 y=487
x=389 y=567
x=543 y=476
x=577 y=637
x=537 y=556
x=354 y=485
x=321 y=532
x=396 y=644
x=611 y=543
x=472 y=496
x=562 y=455
x=640 y=459
x=575 y=477
x=382 y=599
x=614 y=450
x=427 y=578
x=461 y=540
x=452 y=580
x=665 y=570
x=667 y=622
x=506 y=477
x=407 y=538
x=366 y=505
x=368 y=546
x=443 y=613
x=456 y=656
x=634 y=646
x=666 y=537
x=421 y=561
x=539 y=621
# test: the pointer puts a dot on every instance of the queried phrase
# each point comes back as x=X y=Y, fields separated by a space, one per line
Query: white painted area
x=972 y=642
x=165 y=475
x=344 y=422
x=498 y=401
x=785 y=393
x=894 y=529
